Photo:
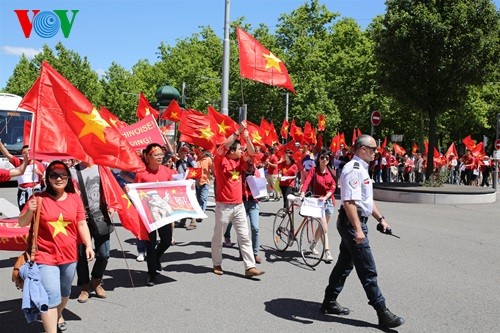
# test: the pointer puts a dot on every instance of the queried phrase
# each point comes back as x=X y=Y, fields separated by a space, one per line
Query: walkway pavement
x=441 y=276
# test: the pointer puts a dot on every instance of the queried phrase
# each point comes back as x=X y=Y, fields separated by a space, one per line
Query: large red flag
x=478 y=150
x=398 y=149
x=111 y=118
x=469 y=143
x=284 y=129
x=119 y=201
x=173 y=112
x=198 y=129
x=321 y=122
x=296 y=132
x=273 y=136
x=259 y=64
x=98 y=138
x=226 y=126
x=257 y=134
x=51 y=135
x=334 y=144
x=145 y=109
x=289 y=146
x=26 y=132
x=309 y=134
x=451 y=150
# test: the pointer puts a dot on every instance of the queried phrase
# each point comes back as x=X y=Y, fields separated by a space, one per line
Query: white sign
x=496 y=154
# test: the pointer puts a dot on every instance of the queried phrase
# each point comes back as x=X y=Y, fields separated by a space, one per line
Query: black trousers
x=101 y=247
x=153 y=251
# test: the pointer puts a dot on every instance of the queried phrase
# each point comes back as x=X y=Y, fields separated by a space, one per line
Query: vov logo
x=47 y=23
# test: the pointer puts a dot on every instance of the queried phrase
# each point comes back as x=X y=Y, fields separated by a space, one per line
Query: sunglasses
x=372 y=148
x=54 y=176
x=324 y=157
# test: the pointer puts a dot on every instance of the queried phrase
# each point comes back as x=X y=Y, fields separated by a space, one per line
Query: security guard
x=356 y=191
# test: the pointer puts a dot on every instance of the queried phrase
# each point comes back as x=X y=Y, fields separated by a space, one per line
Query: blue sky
x=125 y=31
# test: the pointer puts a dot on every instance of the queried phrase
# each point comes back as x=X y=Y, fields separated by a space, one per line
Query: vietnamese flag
x=257 y=134
x=259 y=64
x=414 y=149
x=319 y=142
x=194 y=173
x=226 y=126
x=26 y=132
x=173 y=112
x=51 y=134
x=98 y=138
x=321 y=122
x=296 y=132
x=111 y=118
x=354 y=135
x=398 y=149
x=264 y=125
x=198 y=129
x=273 y=136
x=478 y=150
x=335 y=144
x=289 y=146
x=144 y=109
x=451 y=150
x=117 y=200
x=359 y=132
x=309 y=136
x=469 y=143
x=342 y=140
x=284 y=129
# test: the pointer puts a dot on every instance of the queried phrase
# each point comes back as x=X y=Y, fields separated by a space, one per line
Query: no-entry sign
x=376 y=117
x=497 y=144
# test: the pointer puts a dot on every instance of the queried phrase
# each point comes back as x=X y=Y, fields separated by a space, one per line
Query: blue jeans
x=56 y=281
x=102 y=248
x=252 y=209
x=359 y=256
x=202 y=195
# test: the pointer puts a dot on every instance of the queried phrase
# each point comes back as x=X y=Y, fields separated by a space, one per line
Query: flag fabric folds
x=321 y=122
x=111 y=118
x=284 y=129
x=199 y=129
x=259 y=64
x=451 y=150
x=144 y=108
x=173 y=112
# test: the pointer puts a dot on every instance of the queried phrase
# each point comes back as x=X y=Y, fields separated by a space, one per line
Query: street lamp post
x=225 y=63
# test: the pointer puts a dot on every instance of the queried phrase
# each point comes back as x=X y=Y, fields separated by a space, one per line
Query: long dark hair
x=69 y=188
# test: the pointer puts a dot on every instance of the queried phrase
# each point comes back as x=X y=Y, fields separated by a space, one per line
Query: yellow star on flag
x=146 y=110
x=59 y=226
x=222 y=127
x=174 y=116
x=235 y=175
x=174 y=191
x=124 y=196
x=206 y=133
x=94 y=123
x=272 y=61
x=256 y=137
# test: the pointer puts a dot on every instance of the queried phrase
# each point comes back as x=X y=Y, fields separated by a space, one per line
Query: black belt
x=343 y=215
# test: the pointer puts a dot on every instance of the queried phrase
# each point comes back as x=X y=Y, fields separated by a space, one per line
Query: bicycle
x=311 y=242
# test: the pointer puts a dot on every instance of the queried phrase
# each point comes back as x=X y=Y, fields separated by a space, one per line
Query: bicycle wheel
x=312 y=242
x=282 y=233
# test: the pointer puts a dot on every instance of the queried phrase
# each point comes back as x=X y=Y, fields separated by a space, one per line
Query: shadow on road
x=307 y=312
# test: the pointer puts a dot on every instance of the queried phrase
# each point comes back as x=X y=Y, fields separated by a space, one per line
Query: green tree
x=431 y=53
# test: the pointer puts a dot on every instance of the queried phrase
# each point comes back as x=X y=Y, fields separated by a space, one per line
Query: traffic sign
x=376 y=117
x=497 y=144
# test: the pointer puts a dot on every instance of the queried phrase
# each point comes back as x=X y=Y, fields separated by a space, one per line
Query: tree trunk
x=432 y=140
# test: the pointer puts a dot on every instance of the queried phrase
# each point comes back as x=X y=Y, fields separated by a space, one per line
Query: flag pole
x=225 y=62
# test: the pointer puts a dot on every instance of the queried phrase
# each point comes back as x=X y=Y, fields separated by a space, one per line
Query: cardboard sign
x=312 y=207
x=142 y=133
x=258 y=186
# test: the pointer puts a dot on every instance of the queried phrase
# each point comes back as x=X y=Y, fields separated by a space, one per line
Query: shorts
x=329 y=208
x=57 y=281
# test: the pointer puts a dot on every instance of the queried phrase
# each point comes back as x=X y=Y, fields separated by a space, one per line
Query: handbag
x=28 y=256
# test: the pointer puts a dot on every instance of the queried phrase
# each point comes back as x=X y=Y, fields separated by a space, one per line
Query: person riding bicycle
x=323 y=186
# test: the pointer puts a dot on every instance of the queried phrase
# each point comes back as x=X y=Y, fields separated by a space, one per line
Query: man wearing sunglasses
x=356 y=192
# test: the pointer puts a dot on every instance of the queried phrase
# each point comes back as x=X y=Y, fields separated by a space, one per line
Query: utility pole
x=225 y=63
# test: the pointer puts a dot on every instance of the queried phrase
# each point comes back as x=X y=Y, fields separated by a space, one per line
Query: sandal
x=61 y=327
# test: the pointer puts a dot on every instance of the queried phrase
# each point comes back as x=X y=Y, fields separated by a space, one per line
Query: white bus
x=12 y=120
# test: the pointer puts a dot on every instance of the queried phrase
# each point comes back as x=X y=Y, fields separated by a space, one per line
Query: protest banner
x=142 y=133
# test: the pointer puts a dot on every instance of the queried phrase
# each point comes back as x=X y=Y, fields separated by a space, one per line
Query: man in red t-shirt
x=6 y=175
x=229 y=201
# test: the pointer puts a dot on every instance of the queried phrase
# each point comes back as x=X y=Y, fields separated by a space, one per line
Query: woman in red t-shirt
x=152 y=156
x=62 y=222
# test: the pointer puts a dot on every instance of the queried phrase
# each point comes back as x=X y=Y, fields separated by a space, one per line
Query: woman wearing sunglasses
x=62 y=221
x=322 y=185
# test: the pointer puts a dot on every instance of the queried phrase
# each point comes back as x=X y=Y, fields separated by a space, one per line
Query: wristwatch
x=381 y=218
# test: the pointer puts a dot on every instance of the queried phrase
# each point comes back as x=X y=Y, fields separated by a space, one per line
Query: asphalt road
x=442 y=276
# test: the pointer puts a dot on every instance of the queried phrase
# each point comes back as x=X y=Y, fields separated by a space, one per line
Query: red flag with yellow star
x=259 y=64
x=226 y=126
x=144 y=109
x=296 y=132
x=309 y=136
x=321 y=122
x=173 y=112
x=271 y=137
x=98 y=138
x=284 y=129
x=198 y=129
x=193 y=173
x=51 y=135
x=111 y=118
x=257 y=134
x=117 y=200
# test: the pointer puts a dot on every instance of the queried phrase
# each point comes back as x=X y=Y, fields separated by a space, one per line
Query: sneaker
x=313 y=248
x=61 y=327
x=328 y=257
x=227 y=242
x=252 y=272
x=333 y=307
x=140 y=257
x=192 y=225
x=388 y=319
